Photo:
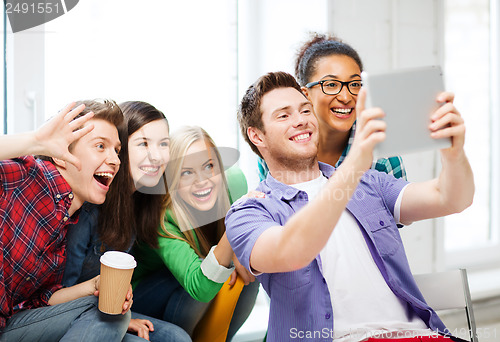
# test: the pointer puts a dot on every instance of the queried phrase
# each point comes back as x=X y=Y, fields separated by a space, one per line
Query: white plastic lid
x=118 y=260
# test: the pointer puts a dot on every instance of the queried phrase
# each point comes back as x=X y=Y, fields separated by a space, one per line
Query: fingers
x=232 y=280
x=449 y=132
x=126 y=306
x=143 y=333
x=255 y=194
x=449 y=118
x=447 y=122
x=79 y=122
x=128 y=301
x=69 y=116
x=150 y=325
x=142 y=327
x=443 y=110
x=445 y=96
x=361 y=102
x=251 y=278
x=62 y=113
x=370 y=127
x=82 y=131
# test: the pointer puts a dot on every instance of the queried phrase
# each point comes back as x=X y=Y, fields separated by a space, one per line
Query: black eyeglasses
x=333 y=87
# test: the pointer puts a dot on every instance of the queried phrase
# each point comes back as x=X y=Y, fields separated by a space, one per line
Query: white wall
x=25 y=76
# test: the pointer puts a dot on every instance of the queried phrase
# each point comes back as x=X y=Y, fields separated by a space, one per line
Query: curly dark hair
x=319 y=46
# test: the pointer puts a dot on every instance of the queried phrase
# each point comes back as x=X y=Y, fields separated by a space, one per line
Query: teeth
x=149 y=169
x=301 y=137
x=342 y=110
x=202 y=193
x=104 y=174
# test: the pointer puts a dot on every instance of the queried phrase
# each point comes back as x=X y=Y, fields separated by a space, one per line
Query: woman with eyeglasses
x=329 y=72
x=177 y=281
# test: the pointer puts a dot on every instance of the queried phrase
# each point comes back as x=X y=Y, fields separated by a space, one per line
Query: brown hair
x=104 y=109
x=249 y=112
x=317 y=47
x=126 y=214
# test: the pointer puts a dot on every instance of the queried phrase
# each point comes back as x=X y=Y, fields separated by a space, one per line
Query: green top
x=178 y=256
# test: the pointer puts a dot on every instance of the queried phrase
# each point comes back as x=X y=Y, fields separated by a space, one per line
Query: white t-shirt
x=363 y=304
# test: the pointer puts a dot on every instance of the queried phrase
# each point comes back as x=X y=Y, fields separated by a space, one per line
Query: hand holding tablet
x=408 y=98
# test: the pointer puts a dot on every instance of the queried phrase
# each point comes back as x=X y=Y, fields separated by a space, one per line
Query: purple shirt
x=300 y=306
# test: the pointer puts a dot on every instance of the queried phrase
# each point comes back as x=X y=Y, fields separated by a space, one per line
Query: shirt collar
x=58 y=186
x=287 y=192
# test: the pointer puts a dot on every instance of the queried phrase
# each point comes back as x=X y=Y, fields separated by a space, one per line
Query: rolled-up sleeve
x=247 y=219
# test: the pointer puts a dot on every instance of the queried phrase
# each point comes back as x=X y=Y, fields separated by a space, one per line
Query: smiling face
x=335 y=112
x=98 y=154
x=149 y=152
x=291 y=133
x=200 y=179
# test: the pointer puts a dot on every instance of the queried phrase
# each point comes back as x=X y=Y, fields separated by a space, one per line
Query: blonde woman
x=176 y=281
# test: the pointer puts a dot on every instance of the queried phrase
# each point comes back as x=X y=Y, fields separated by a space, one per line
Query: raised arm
x=51 y=139
x=298 y=242
x=453 y=190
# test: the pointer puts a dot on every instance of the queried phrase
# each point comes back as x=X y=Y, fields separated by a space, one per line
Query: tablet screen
x=408 y=98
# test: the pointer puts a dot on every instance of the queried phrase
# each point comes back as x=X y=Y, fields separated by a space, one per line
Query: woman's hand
x=128 y=298
x=254 y=194
x=128 y=301
x=95 y=282
x=141 y=327
x=240 y=270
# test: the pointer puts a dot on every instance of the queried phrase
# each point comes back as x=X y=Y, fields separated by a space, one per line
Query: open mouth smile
x=104 y=178
x=203 y=195
x=301 y=137
x=150 y=170
x=341 y=112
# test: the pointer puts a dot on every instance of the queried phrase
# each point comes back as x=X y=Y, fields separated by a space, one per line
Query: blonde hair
x=190 y=227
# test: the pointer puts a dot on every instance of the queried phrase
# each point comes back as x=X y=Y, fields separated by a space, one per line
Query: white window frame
x=487 y=255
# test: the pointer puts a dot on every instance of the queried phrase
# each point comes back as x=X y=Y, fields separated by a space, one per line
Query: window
x=170 y=54
x=472 y=236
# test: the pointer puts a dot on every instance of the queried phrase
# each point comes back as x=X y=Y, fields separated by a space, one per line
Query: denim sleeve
x=79 y=244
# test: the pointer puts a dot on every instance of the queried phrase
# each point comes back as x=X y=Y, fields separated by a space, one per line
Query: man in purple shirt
x=356 y=275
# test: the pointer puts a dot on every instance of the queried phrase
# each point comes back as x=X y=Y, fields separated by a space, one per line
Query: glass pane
x=467 y=71
x=153 y=51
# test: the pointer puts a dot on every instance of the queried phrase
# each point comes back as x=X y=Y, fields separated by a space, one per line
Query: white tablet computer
x=408 y=98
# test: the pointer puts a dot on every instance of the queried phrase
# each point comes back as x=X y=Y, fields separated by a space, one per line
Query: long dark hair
x=127 y=213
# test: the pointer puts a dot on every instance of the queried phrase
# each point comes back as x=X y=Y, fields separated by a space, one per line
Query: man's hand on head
x=57 y=134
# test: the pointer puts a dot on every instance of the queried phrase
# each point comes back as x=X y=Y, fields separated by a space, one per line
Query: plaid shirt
x=392 y=165
x=34 y=203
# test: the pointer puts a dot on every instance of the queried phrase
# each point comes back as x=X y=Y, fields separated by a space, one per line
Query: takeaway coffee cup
x=116 y=273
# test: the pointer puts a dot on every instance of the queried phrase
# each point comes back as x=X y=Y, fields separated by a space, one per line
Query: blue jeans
x=77 y=320
x=163 y=331
x=161 y=296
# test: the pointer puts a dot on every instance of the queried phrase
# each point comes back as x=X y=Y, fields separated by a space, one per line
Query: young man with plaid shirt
x=38 y=199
